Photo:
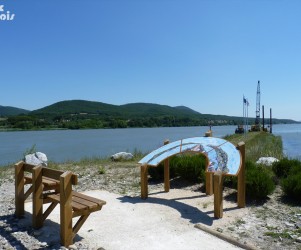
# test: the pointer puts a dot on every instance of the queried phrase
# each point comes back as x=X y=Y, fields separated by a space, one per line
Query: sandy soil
x=163 y=221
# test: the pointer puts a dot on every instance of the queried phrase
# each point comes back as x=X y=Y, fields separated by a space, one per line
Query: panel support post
x=241 y=183
x=209 y=183
x=218 y=195
x=166 y=172
x=144 y=186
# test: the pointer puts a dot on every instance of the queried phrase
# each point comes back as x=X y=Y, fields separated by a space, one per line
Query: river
x=63 y=145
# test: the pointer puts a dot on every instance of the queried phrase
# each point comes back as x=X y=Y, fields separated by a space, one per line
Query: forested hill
x=9 y=111
x=77 y=107
x=77 y=114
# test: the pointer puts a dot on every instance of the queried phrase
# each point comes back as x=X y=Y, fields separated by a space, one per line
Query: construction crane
x=257 y=120
x=256 y=127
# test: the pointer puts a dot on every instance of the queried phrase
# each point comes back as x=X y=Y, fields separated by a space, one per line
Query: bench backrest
x=47 y=172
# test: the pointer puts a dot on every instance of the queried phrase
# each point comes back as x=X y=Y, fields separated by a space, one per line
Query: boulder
x=36 y=159
x=268 y=161
x=121 y=156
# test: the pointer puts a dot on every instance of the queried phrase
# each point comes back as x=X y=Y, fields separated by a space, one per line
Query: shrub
x=259 y=182
x=190 y=167
x=291 y=185
x=101 y=170
x=187 y=166
x=283 y=167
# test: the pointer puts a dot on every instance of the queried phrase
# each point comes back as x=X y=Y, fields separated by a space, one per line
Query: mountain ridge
x=78 y=114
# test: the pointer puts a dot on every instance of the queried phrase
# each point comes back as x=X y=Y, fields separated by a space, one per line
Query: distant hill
x=81 y=114
x=135 y=110
x=76 y=107
x=11 y=111
x=131 y=110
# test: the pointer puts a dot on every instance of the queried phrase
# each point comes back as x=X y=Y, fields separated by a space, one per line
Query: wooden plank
x=241 y=182
x=79 y=201
x=28 y=167
x=79 y=223
x=55 y=174
x=85 y=212
x=28 y=192
x=218 y=195
x=49 y=210
x=209 y=183
x=19 y=189
x=166 y=172
x=66 y=231
x=37 y=209
x=144 y=186
x=88 y=198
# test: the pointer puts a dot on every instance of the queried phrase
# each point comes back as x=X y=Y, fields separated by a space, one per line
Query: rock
x=298 y=239
x=268 y=161
x=121 y=156
x=72 y=247
x=43 y=244
x=289 y=224
x=36 y=159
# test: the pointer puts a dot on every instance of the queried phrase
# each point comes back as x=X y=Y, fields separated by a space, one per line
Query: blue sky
x=201 y=54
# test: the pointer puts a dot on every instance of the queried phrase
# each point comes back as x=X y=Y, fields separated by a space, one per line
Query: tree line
x=29 y=122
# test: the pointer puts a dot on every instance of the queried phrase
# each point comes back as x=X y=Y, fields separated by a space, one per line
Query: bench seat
x=80 y=201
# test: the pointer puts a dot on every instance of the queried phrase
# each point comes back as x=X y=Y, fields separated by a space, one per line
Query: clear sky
x=201 y=54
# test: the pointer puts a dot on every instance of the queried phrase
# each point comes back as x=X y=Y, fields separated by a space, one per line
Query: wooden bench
x=54 y=187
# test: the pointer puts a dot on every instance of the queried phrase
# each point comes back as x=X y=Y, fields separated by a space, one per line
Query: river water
x=63 y=145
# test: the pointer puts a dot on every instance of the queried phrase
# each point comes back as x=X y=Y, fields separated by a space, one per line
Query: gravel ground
x=273 y=224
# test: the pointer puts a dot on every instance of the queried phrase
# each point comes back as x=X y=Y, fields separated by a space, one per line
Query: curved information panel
x=223 y=155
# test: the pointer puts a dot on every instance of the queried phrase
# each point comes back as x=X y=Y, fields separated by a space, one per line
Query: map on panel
x=222 y=155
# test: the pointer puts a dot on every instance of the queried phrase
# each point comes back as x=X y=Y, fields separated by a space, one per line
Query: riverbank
x=270 y=224
x=256 y=225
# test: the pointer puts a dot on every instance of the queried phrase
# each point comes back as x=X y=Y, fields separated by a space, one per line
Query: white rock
x=121 y=156
x=41 y=156
x=268 y=161
x=36 y=159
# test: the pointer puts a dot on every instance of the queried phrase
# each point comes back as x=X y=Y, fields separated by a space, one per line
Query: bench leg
x=79 y=223
x=19 y=189
x=37 y=200
x=66 y=210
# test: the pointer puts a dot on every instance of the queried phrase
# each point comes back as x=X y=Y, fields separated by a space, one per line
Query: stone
x=43 y=244
x=289 y=224
x=36 y=159
x=122 y=156
x=74 y=247
x=298 y=240
x=268 y=161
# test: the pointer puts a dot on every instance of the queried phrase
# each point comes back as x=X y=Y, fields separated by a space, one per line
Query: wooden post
x=166 y=172
x=209 y=179
x=19 y=189
x=241 y=183
x=208 y=133
x=66 y=209
x=37 y=200
x=218 y=195
x=209 y=183
x=144 y=186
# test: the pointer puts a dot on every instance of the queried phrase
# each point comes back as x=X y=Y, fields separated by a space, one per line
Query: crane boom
x=257 y=120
